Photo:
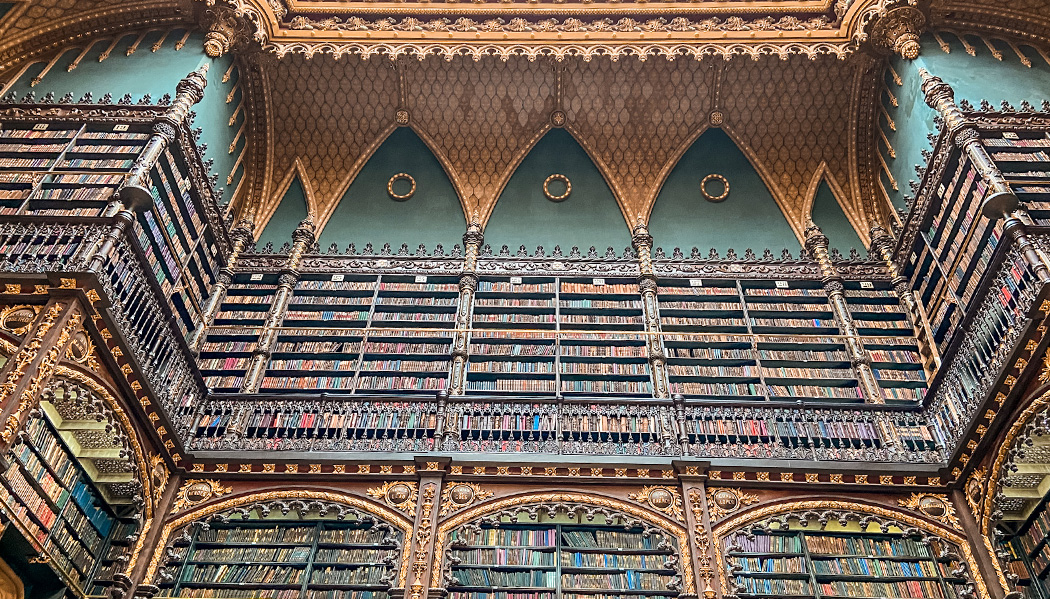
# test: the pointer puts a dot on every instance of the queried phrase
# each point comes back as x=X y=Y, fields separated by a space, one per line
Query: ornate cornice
x=652 y=29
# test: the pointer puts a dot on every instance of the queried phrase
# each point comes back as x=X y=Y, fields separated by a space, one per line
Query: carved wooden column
x=26 y=373
x=882 y=247
x=241 y=236
x=698 y=522
x=302 y=238
x=1000 y=201
x=135 y=195
x=647 y=286
x=468 y=286
x=817 y=246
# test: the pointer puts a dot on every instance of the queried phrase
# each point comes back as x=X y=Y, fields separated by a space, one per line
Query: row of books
x=480 y=577
x=773 y=587
x=251 y=554
x=875 y=567
x=642 y=561
x=629 y=580
x=506 y=556
x=771 y=565
x=903 y=590
x=363 y=575
x=827 y=545
x=242 y=574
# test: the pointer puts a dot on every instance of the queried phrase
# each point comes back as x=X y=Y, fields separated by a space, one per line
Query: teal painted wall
x=974 y=78
x=290 y=212
x=748 y=218
x=828 y=215
x=4 y=7
x=154 y=73
x=367 y=213
x=589 y=217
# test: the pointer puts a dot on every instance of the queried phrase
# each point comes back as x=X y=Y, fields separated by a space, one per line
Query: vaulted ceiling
x=794 y=82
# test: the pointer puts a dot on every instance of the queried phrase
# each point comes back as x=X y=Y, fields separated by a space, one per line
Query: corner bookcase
x=815 y=564
x=279 y=557
x=1029 y=552
x=59 y=510
x=565 y=558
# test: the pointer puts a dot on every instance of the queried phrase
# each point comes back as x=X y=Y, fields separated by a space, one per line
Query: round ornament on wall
x=402 y=196
x=551 y=196
x=708 y=195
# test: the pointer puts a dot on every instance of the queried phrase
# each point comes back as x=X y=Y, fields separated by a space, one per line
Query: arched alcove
x=368 y=212
x=828 y=215
x=589 y=216
x=748 y=217
x=289 y=213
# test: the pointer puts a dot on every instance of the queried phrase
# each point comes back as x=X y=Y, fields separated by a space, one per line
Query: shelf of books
x=560 y=560
x=1024 y=159
x=889 y=339
x=365 y=334
x=54 y=504
x=1031 y=553
x=64 y=169
x=825 y=565
x=546 y=335
x=228 y=345
x=271 y=558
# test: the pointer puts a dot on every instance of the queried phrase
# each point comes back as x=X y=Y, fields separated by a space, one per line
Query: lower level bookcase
x=825 y=565
x=279 y=558
x=560 y=560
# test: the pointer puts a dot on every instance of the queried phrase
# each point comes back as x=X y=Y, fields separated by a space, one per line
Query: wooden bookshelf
x=57 y=507
x=277 y=559
x=824 y=565
x=559 y=560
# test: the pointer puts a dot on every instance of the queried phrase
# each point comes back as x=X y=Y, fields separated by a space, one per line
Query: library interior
x=524 y=299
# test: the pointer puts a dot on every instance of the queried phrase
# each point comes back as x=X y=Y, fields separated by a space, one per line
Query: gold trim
x=382 y=493
x=182 y=499
x=759 y=513
x=718 y=512
x=713 y=198
x=658 y=520
x=449 y=505
x=557 y=177
x=673 y=509
x=917 y=500
x=399 y=177
x=387 y=515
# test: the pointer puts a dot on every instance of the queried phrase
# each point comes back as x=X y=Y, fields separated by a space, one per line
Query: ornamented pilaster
x=882 y=248
x=642 y=242
x=468 y=286
x=302 y=238
x=705 y=553
x=25 y=374
x=240 y=236
x=1000 y=201
x=817 y=246
x=135 y=195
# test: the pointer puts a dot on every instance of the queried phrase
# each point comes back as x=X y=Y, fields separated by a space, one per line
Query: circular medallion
x=401 y=117
x=558 y=118
x=933 y=507
x=547 y=190
x=710 y=197
x=398 y=493
x=717 y=118
x=197 y=493
x=973 y=490
x=17 y=320
x=80 y=348
x=726 y=500
x=661 y=499
x=461 y=495
x=395 y=179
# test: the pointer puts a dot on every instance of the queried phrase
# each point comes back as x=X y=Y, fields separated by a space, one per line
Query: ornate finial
x=898 y=31
x=815 y=238
x=305 y=232
x=879 y=236
x=935 y=89
x=194 y=84
x=640 y=234
x=225 y=31
x=475 y=232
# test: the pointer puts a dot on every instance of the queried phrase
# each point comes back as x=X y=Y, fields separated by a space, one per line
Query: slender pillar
x=241 y=236
x=302 y=238
x=817 y=245
x=705 y=551
x=421 y=582
x=135 y=195
x=882 y=247
x=1000 y=202
x=647 y=286
x=23 y=377
x=468 y=286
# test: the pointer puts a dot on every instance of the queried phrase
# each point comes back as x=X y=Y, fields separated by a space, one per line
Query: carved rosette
x=898 y=31
x=224 y=31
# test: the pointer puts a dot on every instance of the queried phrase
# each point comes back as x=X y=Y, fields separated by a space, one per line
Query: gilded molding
x=424 y=532
x=937 y=507
x=722 y=501
x=18 y=319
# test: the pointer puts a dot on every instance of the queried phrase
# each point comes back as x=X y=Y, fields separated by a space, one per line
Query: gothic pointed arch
x=749 y=216
x=530 y=507
x=588 y=216
x=402 y=195
x=295 y=205
x=825 y=209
